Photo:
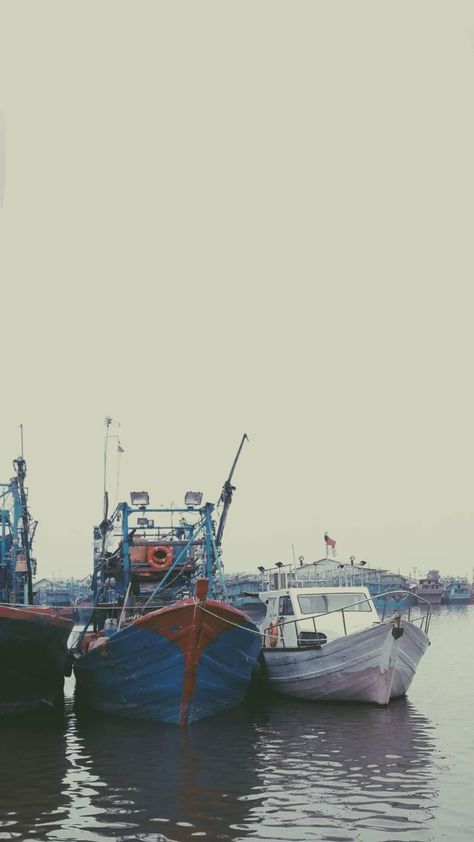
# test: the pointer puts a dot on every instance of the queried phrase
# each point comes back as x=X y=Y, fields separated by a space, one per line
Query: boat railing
x=419 y=600
x=318 y=638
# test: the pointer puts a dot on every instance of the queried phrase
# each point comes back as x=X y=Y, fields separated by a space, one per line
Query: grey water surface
x=273 y=769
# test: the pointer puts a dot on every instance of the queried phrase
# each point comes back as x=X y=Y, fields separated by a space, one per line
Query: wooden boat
x=33 y=639
x=329 y=644
x=162 y=642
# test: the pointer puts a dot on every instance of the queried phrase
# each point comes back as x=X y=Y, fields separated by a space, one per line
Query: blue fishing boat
x=33 y=639
x=162 y=641
x=457 y=591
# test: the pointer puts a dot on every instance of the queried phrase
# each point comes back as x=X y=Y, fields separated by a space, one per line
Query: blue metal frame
x=203 y=529
x=11 y=514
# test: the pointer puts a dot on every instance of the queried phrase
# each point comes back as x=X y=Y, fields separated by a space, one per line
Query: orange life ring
x=160 y=557
x=272 y=634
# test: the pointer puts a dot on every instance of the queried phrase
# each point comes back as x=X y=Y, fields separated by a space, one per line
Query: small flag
x=120 y=448
x=329 y=541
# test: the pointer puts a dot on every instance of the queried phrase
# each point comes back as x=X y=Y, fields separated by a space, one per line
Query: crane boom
x=226 y=494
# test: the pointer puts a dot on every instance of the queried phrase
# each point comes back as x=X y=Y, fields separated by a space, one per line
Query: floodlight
x=193 y=498
x=151 y=524
x=362 y=563
x=139 y=498
x=142 y=521
x=262 y=569
x=279 y=564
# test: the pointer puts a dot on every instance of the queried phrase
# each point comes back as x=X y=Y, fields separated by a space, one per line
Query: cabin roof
x=315 y=589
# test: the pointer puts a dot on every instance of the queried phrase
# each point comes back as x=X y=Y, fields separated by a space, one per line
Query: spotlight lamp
x=193 y=498
x=139 y=498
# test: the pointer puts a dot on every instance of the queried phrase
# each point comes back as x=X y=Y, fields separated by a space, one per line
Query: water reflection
x=273 y=770
x=33 y=762
x=343 y=772
x=160 y=779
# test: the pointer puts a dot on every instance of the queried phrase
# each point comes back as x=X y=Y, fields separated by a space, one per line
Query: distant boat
x=33 y=638
x=328 y=644
x=430 y=589
x=164 y=643
x=243 y=592
x=457 y=591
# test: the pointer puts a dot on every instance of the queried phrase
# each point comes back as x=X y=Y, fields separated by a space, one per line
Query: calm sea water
x=271 y=770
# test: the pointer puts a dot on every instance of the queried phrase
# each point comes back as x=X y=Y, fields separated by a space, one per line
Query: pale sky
x=238 y=217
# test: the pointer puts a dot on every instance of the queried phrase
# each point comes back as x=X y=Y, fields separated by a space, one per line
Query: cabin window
x=285 y=606
x=312 y=604
x=321 y=603
x=343 y=600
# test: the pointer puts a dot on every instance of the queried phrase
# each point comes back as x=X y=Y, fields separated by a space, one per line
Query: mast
x=20 y=468
x=226 y=495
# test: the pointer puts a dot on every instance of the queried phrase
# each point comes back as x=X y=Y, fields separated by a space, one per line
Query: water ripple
x=272 y=770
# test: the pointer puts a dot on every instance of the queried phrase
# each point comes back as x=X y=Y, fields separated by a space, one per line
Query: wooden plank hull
x=33 y=649
x=362 y=667
x=178 y=664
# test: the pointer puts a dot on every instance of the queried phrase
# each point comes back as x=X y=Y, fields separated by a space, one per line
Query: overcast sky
x=251 y=217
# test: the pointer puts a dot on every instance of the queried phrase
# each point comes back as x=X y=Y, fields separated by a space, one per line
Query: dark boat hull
x=33 y=650
x=178 y=664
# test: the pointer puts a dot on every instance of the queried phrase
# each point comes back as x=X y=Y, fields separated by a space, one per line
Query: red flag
x=120 y=448
x=329 y=541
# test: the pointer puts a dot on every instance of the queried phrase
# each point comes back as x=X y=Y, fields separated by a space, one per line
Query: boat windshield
x=322 y=603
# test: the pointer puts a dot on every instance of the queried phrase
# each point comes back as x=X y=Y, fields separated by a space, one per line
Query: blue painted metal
x=12 y=581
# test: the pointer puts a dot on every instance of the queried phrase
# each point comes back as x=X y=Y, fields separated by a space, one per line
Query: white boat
x=330 y=644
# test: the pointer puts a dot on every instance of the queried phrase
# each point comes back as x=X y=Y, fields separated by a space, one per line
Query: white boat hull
x=411 y=648
x=372 y=665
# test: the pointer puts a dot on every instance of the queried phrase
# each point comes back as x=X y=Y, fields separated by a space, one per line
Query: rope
x=229 y=622
x=32 y=605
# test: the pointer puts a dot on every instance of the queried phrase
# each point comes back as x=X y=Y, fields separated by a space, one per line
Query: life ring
x=160 y=557
x=273 y=634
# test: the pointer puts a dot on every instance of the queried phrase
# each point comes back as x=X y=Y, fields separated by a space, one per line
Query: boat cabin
x=298 y=617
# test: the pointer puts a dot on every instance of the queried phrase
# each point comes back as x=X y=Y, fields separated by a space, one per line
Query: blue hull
x=141 y=673
x=391 y=606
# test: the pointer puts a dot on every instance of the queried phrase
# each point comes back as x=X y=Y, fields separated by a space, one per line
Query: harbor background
x=272 y=769
x=221 y=219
